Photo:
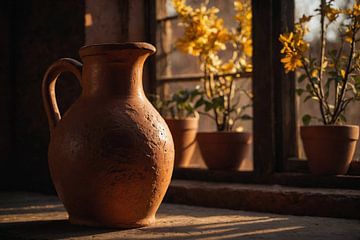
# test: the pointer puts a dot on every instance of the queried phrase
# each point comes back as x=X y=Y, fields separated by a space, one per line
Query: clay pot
x=184 y=136
x=224 y=150
x=330 y=148
x=111 y=154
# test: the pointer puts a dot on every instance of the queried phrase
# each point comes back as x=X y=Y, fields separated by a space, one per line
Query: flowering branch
x=204 y=37
x=339 y=69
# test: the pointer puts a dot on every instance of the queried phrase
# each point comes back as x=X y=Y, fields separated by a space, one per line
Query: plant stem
x=219 y=125
x=322 y=56
x=337 y=70
x=321 y=106
x=206 y=80
x=229 y=104
x=338 y=109
x=206 y=114
x=209 y=93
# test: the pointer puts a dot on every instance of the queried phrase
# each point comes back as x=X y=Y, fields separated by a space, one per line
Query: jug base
x=90 y=223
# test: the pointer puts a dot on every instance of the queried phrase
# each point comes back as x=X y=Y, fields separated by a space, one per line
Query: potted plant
x=183 y=121
x=205 y=36
x=332 y=82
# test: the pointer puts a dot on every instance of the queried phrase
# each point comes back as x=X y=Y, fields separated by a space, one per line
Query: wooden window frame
x=275 y=127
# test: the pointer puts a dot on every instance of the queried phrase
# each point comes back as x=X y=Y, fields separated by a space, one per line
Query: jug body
x=111 y=155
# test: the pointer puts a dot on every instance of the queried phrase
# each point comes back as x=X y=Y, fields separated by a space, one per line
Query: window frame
x=275 y=126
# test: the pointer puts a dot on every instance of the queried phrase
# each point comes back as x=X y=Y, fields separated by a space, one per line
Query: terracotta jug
x=111 y=155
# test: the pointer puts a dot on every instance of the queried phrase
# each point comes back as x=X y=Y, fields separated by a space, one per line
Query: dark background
x=33 y=35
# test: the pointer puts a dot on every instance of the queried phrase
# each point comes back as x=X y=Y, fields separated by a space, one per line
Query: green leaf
x=306 y=119
x=357 y=79
x=246 y=117
x=300 y=91
x=189 y=108
x=342 y=118
x=218 y=102
x=301 y=78
x=199 y=103
x=208 y=106
x=194 y=93
x=333 y=52
x=314 y=79
x=338 y=79
x=246 y=106
x=309 y=88
x=307 y=98
x=333 y=73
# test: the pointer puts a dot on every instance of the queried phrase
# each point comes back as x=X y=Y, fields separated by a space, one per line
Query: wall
x=34 y=35
x=116 y=21
x=37 y=33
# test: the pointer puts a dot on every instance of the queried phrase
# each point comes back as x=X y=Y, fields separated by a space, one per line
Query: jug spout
x=114 y=69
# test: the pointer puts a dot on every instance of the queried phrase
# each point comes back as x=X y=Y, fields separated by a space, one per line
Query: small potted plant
x=183 y=121
x=205 y=36
x=332 y=81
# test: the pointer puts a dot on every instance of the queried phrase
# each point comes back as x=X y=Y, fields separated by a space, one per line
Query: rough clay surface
x=111 y=155
x=35 y=216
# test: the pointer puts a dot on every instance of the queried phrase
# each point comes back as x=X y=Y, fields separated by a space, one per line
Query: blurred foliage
x=332 y=78
x=205 y=36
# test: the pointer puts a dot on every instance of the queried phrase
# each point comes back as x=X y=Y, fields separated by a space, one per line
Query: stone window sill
x=343 y=203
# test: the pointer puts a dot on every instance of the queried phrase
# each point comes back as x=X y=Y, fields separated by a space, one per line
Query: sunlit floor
x=35 y=216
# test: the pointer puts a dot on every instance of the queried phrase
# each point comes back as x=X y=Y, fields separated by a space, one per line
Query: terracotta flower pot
x=111 y=155
x=184 y=136
x=330 y=148
x=224 y=150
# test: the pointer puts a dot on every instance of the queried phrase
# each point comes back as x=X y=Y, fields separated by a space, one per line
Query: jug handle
x=48 y=87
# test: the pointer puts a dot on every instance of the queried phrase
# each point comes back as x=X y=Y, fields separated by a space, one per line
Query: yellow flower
x=294 y=46
x=315 y=73
x=331 y=13
x=356 y=9
x=204 y=31
x=352 y=12
x=243 y=37
x=342 y=73
x=291 y=62
x=286 y=38
x=348 y=36
x=304 y=19
x=205 y=35
x=181 y=7
x=228 y=67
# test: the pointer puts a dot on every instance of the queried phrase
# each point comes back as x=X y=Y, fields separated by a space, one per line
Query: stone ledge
x=267 y=198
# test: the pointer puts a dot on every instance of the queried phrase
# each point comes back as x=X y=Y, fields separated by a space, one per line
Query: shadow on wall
x=40 y=32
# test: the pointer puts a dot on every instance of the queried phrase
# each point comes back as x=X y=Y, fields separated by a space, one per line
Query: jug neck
x=114 y=69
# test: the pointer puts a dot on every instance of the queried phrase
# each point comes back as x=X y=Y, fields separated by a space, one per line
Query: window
x=276 y=109
x=177 y=70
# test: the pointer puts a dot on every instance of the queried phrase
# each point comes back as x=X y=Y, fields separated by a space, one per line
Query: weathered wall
x=6 y=90
x=40 y=33
x=34 y=35
x=103 y=22
x=115 y=21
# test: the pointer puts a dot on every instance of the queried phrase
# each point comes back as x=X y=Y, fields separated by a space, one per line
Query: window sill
x=293 y=179
x=267 y=198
